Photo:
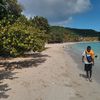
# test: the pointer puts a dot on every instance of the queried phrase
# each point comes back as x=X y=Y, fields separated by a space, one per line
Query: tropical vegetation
x=18 y=34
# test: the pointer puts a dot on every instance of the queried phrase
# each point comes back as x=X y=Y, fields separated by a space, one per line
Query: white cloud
x=55 y=11
x=63 y=23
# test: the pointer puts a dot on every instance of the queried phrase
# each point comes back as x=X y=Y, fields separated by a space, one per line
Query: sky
x=82 y=14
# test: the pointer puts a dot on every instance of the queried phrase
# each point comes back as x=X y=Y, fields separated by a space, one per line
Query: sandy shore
x=51 y=75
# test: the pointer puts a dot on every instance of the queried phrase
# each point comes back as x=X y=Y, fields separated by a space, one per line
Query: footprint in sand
x=39 y=99
x=79 y=95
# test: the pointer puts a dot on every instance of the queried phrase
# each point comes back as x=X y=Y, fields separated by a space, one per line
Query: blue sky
x=82 y=14
x=89 y=19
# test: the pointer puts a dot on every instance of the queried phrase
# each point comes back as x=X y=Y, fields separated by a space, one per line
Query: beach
x=50 y=75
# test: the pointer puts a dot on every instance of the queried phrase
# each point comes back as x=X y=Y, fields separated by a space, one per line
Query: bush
x=19 y=38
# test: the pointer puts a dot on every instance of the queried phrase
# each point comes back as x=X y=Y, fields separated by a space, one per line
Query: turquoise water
x=78 y=49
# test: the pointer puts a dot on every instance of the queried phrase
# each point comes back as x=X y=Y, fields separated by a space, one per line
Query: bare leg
x=87 y=74
x=90 y=72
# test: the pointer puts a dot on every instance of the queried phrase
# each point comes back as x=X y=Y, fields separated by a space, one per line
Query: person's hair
x=89 y=47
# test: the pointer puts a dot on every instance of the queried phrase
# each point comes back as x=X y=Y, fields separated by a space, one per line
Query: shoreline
x=77 y=58
x=55 y=76
x=85 y=90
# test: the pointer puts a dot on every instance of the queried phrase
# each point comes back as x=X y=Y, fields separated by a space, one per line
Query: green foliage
x=72 y=35
x=10 y=8
x=60 y=34
x=56 y=38
x=41 y=23
x=19 y=38
x=14 y=8
x=19 y=35
x=56 y=34
x=71 y=38
x=3 y=9
x=84 y=32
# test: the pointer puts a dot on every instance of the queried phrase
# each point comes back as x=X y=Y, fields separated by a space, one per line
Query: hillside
x=65 y=34
x=85 y=32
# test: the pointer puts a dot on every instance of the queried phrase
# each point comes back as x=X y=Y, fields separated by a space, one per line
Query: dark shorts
x=88 y=67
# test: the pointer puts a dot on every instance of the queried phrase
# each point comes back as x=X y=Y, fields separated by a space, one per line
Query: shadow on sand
x=9 y=64
x=4 y=87
x=28 y=60
x=83 y=75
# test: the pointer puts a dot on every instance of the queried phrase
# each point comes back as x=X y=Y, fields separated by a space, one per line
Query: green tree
x=14 y=8
x=41 y=23
x=17 y=34
x=3 y=8
x=10 y=9
x=19 y=38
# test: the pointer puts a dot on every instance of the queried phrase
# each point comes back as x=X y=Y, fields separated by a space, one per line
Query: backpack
x=89 y=58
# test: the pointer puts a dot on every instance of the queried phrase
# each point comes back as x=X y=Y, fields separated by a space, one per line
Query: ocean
x=76 y=51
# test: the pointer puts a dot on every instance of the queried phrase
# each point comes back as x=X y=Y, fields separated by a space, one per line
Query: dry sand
x=51 y=75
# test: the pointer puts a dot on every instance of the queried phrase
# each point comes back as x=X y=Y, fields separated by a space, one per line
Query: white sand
x=56 y=78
